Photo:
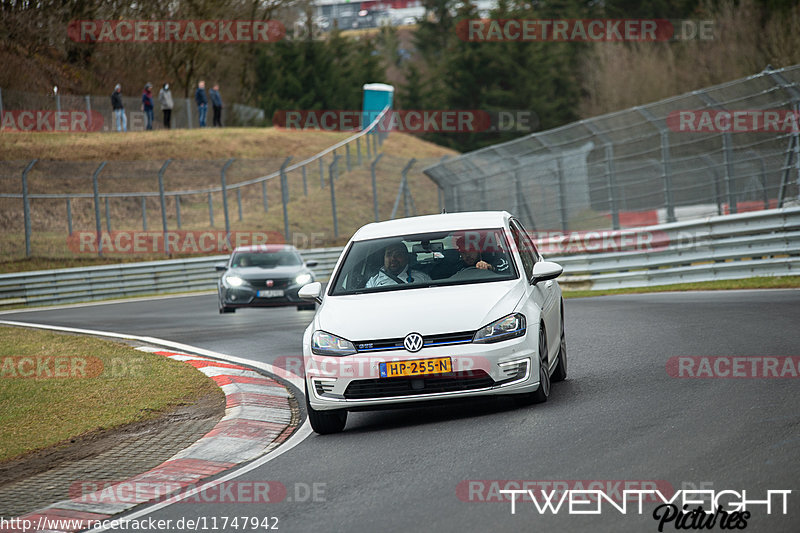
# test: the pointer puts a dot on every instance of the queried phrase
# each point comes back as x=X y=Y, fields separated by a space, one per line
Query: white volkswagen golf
x=430 y=308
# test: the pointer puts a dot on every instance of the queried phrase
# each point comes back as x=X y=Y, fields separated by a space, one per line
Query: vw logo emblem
x=413 y=342
x=270 y=283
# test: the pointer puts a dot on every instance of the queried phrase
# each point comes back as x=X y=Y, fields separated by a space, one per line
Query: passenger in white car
x=395 y=269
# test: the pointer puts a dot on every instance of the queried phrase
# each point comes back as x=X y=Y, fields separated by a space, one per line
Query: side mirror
x=310 y=264
x=311 y=292
x=221 y=267
x=545 y=270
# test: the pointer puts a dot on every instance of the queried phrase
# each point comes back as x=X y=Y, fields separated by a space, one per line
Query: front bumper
x=247 y=296
x=354 y=382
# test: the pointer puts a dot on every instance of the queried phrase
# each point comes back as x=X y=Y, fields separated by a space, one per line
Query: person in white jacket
x=165 y=99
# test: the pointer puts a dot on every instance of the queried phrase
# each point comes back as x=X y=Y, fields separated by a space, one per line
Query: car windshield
x=266 y=260
x=426 y=260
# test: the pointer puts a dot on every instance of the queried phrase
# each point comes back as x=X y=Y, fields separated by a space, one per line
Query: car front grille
x=444 y=339
x=261 y=283
x=389 y=388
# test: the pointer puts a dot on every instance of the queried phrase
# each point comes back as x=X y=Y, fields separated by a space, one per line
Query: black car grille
x=389 y=388
x=261 y=283
x=428 y=341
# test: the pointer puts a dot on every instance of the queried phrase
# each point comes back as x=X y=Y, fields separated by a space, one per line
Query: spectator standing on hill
x=165 y=100
x=216 y=101
x=147 y=104
x=119 y=108
x=202 y=102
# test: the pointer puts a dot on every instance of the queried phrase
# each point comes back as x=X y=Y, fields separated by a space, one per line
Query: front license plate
x=270 y=294
x=394 y=369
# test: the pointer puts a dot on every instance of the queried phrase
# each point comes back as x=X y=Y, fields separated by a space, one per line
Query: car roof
x=265 y=248
x=433 y=223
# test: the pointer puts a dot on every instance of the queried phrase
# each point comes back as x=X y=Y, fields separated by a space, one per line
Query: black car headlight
x=508 y=327
x=233 y=281
x=303 y=278
x=323 y=343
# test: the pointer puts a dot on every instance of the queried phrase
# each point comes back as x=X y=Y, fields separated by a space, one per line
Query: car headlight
x=323 y=343
x=234 y=281
x=506 y=328
x=302 y=279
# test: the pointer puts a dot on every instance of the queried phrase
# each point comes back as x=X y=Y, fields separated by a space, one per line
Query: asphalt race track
x=619 y=416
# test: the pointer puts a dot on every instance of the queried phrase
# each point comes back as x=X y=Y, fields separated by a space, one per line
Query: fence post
x=144 y=214
x=228 y=163
x=26 y=207
x=358 y=150
x=402 y=189
x=89 y=110
x=188 y=114
x=375 y=187
x=321 y=174
x=239 y=202
x=108 y=215
x=305 y=182
x=178 y=209
x=69 y=216
x=97 y=224
x=210 y=210
x=366 y=143
x=285 y=198
x=1 y=105
x=163 y=203
x=347 y=156
x=331 y=170
x=375 y=142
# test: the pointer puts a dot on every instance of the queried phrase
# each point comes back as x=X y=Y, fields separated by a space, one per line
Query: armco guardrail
x=762 y=243
x=72 y=285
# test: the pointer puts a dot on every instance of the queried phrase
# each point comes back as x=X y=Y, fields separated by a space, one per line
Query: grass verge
x=55 y=387
x=764 y=282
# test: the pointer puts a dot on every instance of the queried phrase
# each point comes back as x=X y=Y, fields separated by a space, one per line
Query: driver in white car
x=395 y=269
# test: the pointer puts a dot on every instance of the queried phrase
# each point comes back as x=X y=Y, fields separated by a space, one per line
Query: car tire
x=541 y=394
x=560 y=373
x=325 y=422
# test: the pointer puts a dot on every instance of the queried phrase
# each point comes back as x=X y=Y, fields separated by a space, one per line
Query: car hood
x=262 y=273
x=427 y=311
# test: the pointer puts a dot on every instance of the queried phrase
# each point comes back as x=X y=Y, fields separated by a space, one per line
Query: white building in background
x=373 y=13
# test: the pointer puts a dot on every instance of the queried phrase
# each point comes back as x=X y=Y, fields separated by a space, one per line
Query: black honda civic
x=264 y=276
